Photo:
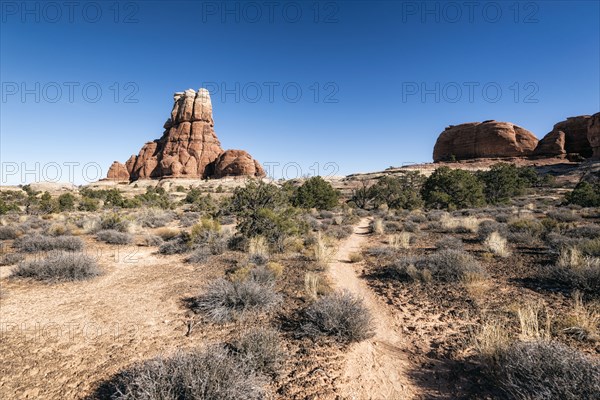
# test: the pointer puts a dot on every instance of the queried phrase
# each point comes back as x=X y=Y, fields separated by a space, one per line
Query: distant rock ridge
x=188 y=148
x=576 y=138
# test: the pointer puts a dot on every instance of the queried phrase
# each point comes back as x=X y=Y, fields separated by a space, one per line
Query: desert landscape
x=187 y=273
x=300 y=200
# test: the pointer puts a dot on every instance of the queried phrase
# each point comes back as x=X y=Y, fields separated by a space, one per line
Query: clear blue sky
x=369 y=60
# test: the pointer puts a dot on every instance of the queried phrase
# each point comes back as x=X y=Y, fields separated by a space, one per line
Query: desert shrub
x=179 y=245
x=410 y=226
x=450 y=242
x=205 y=226
x=590 y=247
x=436 y=215
x=154 y=218
x=200 y=255
x=201 y=202
x=340 y=315
x=58 y=229
x=212 y=373
x=261 y=349
x=547 y=370
x=315 y=193
x=584 y=232
x=59 y=266
x=392 y=226
x=529 y=226
x=114 y=237
x=36 y=242
x=486 y=228
x=377 y=226
x=381 y=251
x=152 y=240
x=585 y=194
x=11 y=259
x=340 y=231
x=401 y=240
x=258 y=250
x=113 y=221
x=577 y=271
x=189 y=218
x=224 y=301
x=446 y=265
x=563 y=215
x=459 y=224
x=502 y=182
x=8 y=232
x=452 y=189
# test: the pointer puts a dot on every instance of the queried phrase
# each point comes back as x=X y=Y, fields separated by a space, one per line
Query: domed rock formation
x=488 y=139
x=237 y=162
x=567 y=137
x=117 y=172
x=188 y=147
x=593 y=134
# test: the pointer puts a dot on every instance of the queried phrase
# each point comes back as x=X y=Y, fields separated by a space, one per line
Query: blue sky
x=379 y=80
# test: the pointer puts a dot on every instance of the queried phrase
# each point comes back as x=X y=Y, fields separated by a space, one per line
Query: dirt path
x=375 y=368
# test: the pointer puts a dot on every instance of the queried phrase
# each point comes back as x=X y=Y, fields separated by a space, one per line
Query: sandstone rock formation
x=237 y=162
x=488 y=139
x=593 y=134
x=189 y=146
x=117 y=172
x=567 y=137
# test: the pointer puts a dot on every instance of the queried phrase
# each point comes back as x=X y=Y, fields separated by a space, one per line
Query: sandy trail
x=375 y=368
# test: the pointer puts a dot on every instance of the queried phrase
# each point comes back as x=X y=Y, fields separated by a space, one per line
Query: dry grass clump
x=377 y=226
x=224 y=301
x=36 y=242
x=258 y=250
x=314 y=285
x=355 y=257
x=497 y=245
x=584 y=321
x=577 y=271
x=59 y=266
x=321 y=252
x=534 y=321
x=167 y=233
x=151 y=240
x=212 y=373
x=400 y=241
x=340 y=315
x=459 y=225
x=446 y=265
x=114 y=237
x=261 y=350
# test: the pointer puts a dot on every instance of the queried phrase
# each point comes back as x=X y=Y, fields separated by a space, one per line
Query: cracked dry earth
x=376 y=368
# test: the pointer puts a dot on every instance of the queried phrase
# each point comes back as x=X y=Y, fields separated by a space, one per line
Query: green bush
x=453 y=189
x=399 y=192
x=262 y=209
x=503 y=182
x=316 y=193
x=66 y=202
x=585 y=194
x=154 y=197
x=88 y=204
